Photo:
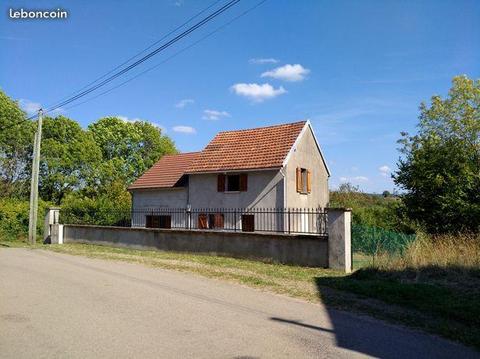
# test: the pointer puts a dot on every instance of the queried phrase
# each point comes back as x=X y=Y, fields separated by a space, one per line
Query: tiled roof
x=166 y=172
x=257 y=148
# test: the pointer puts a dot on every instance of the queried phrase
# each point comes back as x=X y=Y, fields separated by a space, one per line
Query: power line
x=141 y=52
x=146 y=57
x=143 y=59
x=138 y=62
x=169 y=58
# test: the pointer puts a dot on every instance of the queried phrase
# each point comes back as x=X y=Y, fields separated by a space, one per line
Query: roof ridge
x=263 y=127
x=182 y=153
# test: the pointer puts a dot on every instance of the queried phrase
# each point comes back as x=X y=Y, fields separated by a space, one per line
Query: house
x=268 y=167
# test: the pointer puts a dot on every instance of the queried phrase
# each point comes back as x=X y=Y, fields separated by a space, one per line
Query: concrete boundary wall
x=303 y=250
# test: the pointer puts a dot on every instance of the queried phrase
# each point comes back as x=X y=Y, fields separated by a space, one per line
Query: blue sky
x=357 y=69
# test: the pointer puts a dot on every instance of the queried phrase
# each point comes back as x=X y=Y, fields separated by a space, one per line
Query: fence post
x=52 y=229
x=288 y=219
x=235 y=219
x=340 y=239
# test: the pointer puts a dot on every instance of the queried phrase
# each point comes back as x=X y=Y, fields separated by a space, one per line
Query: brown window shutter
x=243 y=182
x=309 y=181
x=299 y=180
x=202 y=221
x=221 y=183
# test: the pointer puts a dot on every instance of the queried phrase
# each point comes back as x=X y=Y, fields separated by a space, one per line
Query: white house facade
x=269 y=167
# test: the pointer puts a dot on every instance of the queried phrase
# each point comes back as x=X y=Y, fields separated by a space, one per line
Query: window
x=248 y=223
x=303 y=180
x=215 y=220
x=158 y=221
x=232 y=183
x=211 y=221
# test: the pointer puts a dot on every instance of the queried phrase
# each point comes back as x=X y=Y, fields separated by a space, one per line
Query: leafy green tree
x=69 y=158
x=128 y=148
x=440 y=167
x=371 y=210
x=14 y=215
x=16 y=144
x=111 y=208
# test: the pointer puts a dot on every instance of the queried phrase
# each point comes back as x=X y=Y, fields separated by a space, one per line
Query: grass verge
x=401 y=297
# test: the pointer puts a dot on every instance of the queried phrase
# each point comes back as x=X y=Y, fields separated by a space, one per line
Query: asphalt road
x=61 y=306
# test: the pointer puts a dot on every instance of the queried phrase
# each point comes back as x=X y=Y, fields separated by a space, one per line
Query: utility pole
x=32 y=223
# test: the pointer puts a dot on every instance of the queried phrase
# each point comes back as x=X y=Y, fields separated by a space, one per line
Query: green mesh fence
x=372 y=240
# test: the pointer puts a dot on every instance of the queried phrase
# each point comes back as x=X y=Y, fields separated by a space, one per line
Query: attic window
x=304 y=174
x=304 y=180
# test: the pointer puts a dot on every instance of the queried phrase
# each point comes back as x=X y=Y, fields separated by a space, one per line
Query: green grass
x=442 y=310
x=361 y=260
x=426 y=302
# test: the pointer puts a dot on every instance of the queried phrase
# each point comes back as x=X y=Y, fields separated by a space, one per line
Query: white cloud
x=136 y=119
x=355 y=179
x=288 y=73
x=360 y=178
x=31 y=108
x=214 y=114
x=185 y=129
x=178 y=3
x=261 y=61
x=184 y=102
x=384 y=170
x=124 y=118
x=256 y=92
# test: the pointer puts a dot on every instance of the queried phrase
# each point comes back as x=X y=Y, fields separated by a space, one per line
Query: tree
x=69 y=157
x=348 y=187
x=130 y=147
x=386 y=194
x=440 y=166
x=16 y=144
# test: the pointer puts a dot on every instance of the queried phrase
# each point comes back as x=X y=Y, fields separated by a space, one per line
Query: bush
x=14 y=216
x=103 y=210
x=372 y=210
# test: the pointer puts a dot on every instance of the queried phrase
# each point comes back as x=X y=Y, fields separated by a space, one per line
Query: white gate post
x=52 y=229
x=340 y=239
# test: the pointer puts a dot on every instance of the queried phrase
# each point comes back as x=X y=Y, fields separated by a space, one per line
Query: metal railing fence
x=278 y=220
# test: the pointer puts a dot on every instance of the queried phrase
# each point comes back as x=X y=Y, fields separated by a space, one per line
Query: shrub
x=372 y=210
x=14 y=216
x=103 y=210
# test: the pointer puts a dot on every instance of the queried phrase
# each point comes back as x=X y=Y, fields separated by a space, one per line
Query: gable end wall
x=305 y=154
